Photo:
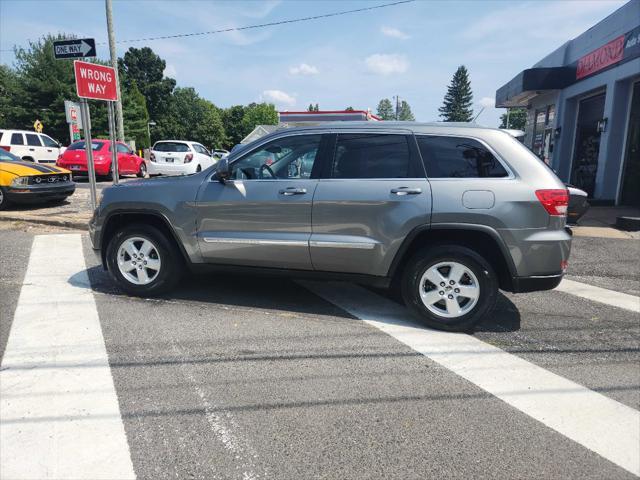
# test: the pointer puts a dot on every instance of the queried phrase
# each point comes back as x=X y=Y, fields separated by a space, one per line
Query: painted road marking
x=596 y=422
x=74 y=431
x=601 y=295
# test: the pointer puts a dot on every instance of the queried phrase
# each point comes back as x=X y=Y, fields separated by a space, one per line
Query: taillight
x=152 y=157
x=555 y=201
x=188 y=157
x=6 y=147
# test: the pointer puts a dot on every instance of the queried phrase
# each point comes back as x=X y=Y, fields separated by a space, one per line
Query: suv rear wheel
x=142 y=261
x=449 y=287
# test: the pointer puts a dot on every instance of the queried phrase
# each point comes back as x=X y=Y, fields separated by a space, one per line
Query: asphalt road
x=251 y=377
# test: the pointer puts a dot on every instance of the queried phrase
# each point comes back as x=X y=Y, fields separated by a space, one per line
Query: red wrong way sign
x=95 y=81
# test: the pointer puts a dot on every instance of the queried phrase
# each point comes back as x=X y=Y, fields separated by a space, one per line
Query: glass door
x=631 y=173
x=587 y=147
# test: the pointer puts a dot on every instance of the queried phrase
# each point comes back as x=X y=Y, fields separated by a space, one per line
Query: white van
x=31 y=146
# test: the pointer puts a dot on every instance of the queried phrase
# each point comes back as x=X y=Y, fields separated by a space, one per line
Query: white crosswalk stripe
x=600 y=424
x=75 y=430
x=600 y=295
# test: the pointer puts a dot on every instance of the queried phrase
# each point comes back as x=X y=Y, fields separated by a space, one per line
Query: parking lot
x=251 y=377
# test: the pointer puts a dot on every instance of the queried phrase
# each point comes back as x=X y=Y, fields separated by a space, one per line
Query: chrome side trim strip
x=362 y=245
x=255 y=241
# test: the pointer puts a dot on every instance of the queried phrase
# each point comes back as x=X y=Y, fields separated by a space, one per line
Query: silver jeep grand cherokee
x=445 y=214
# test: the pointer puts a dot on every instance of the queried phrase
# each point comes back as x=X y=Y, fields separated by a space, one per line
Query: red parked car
x=74 y=158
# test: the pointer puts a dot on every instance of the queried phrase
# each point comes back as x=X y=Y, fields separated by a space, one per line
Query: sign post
x=96 y=82
x=88 y=146
x=114 y=147
x=72 y=113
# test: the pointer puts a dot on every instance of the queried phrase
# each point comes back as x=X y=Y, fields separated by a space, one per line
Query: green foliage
x=39 y=84
x=404 y=112
x=195 y=119
x=232 y=122
x=385 y=110
x=458 y=99
x=517 y=119
x=348 y=109
x=135 y=115
x=146 y=69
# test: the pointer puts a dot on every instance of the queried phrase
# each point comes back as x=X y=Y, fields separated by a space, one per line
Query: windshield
x=8 y=156
x=80 y=146
x=171 y=147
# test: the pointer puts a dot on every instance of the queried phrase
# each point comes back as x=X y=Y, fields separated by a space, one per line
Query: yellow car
x=28 y=182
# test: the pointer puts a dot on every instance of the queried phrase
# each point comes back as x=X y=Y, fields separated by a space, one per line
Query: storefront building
x=583 y=108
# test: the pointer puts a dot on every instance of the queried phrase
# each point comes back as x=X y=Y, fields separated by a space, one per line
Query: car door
x=372 y=194
x=51 y=149
x=35 y=149
x=204 y=159
x=261 y=216
x=125 y=159
x=18 y=146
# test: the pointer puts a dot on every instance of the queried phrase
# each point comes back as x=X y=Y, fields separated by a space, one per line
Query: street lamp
x=149 y=125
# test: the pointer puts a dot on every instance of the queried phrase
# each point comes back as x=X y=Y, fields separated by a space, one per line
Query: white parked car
x=31 y=146
x=178 y=157
x=220 y=153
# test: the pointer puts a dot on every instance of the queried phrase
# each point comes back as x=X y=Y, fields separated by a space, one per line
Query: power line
x=260 y=25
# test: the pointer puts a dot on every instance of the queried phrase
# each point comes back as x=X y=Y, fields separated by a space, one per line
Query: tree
x=136 y=117
x=313 y=108
x=258 y=114
x=196 y=119
x=385 y=110
x=146 y=69
x=404 y=112
x=232 y=122
x=348 y=109
x=517 y=119
x=458 y=99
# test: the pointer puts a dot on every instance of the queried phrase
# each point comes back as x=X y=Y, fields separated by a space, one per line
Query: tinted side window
x=457 y=157
x=122 y=148
x=33 y=139
x=48 y=142
x=366 y=155
x=16 y=139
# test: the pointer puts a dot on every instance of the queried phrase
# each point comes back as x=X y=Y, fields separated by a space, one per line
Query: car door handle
x=32 y=149
x=406 y=191
x=293 y=191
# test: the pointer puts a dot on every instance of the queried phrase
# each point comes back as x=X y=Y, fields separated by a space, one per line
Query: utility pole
x=397 y=97
x=114 y=64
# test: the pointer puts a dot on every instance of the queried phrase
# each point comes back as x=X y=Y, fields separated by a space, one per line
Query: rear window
x=95 y=146
x=16 y=139
x=171 y=147
x=458 y=157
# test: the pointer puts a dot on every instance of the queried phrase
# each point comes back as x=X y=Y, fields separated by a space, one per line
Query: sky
x=410 y=50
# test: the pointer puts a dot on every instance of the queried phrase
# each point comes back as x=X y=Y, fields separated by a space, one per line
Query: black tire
x=171 y=269
x=431 y=256
x=143 y=170
x=4 y=201
x=198 y=169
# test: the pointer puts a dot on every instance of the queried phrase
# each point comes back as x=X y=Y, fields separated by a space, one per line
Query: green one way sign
x=76 y=48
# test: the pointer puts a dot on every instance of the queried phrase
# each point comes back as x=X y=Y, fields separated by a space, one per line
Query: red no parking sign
x=95 y=81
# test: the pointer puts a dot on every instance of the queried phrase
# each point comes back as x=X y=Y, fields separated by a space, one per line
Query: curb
x=50 y=222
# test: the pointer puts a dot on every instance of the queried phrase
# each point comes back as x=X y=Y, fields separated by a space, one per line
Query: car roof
x=12 y=130
x=178 y=141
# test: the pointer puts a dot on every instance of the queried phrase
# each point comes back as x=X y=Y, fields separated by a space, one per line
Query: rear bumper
x=155 y=168
x=536 y=283
x=80 y=169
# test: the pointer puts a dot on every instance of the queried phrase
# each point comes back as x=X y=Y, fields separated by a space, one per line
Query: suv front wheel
x=449 y=287
x=142 y=261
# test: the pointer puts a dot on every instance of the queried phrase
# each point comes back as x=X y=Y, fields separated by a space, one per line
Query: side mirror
x=222 y=170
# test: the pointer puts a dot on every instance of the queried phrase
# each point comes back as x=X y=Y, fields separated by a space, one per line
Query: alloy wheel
x=449 y=289
x=139 y=260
